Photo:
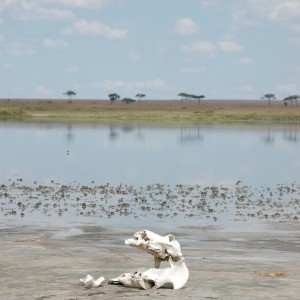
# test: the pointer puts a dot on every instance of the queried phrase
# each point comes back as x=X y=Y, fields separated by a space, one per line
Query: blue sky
x=224 y=49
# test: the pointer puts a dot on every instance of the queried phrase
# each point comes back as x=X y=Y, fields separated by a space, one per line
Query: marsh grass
x=167 y=110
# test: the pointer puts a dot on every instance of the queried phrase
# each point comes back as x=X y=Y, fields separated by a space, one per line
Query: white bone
x=163 y=249
x=90 y=282
x=176 y=274
x=131 y=280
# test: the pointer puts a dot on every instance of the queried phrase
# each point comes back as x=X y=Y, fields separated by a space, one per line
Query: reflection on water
x=70 y=135
x=291 y=135
x=149 y=176
x=189 y=135
x=268 y=139
x=140 y=155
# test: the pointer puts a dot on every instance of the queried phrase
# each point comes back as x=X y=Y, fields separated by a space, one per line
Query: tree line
x=113 y=97
x=291 y=98
x=190 y=97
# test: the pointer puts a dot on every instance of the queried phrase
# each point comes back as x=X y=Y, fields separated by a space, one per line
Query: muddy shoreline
x=239 y=242
x=41 y=262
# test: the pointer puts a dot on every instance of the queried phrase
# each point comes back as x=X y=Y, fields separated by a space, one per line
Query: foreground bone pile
x=163 y=248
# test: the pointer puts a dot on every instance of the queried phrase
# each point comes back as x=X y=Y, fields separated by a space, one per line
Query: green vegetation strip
x=11 y=112
x=152 y=110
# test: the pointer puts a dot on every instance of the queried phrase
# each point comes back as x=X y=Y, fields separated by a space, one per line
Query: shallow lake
x=140 y=155
x=131 y=160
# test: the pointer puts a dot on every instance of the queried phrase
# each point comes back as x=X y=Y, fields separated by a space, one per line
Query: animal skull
x=163 y=249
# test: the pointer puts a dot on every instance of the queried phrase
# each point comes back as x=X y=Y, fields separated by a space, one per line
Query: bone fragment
x=90 y=282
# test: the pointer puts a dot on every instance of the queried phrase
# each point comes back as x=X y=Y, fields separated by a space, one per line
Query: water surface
x=140 y=155
x=108 y=174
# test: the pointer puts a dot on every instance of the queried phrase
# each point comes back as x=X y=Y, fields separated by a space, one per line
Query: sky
x=223 y=49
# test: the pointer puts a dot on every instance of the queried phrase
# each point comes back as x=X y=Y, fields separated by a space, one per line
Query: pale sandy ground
x=47 y=263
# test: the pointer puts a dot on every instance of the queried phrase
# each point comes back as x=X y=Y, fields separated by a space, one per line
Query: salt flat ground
x=39 y=262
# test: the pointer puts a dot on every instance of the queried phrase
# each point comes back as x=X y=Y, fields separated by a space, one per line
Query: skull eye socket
x=151 y=283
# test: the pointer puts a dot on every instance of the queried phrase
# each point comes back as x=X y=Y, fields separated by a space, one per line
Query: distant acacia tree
x=70 y=94
x=113 y=97
x=289 y=98
x=296 y=98
x=199 y=97
x=128 y=100
x=140 y=96
x=184 y=96
x=292 y=98
x=190 y=97
x=269 y=97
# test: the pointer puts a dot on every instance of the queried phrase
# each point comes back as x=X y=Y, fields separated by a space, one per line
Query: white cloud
x=45 y=9
x=294 y=26
x=288 y=88
x=200 y=46
x=1 y=37
x=95 y=28
x=4 y=5
x=53 y=14
x=156 y=83
x=253 y=12
x=18 y=49
x=42 y=91
x=247 y=88
x=295 y=41
x=73 y=69
x=33 y=10
x=229 y=46
x=132 y=55
x=49 y=43
x=243 y=17
x=191 y=70
x=78 y=3
x=9 y=66
x=186 y=26
x=208 y=3
x=245 y=61
x=248 y=92
x=285 y=10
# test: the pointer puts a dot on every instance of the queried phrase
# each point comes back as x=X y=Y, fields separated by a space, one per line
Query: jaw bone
x=163 y=249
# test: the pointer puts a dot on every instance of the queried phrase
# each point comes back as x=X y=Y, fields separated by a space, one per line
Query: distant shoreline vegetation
x=11 y=112
x=150 y=110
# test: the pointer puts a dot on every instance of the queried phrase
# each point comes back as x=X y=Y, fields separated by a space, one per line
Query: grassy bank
x=209 y=110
